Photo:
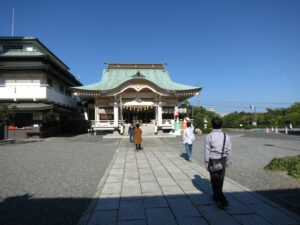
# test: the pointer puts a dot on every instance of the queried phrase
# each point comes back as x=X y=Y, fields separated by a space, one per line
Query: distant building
x=223 y=114
x=134 y=93
x=38 y=83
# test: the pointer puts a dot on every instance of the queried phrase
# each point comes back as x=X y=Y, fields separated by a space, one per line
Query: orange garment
x=137 y=136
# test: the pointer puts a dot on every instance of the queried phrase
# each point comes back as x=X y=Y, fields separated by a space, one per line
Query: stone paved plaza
x=158 y=187
x=56 y=181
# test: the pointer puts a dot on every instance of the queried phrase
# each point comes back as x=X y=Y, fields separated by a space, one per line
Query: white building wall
x=33 y=87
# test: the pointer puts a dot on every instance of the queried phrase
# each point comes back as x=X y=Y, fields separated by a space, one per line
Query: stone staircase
x=148 y=129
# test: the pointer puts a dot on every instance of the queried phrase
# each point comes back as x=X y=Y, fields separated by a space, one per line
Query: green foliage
x=290 y=164
x=280 y=117
x=7 y=111
x=295 y=171
x=207 y=130
x=200 y=113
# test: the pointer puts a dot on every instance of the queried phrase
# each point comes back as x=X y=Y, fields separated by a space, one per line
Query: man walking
x=217 y=151
x=131 y=132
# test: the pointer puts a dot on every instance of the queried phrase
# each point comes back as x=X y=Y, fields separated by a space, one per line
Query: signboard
x=177 y=126
x=182 y=110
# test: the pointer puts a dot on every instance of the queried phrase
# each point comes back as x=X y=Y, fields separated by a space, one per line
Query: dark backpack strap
x=223 y=144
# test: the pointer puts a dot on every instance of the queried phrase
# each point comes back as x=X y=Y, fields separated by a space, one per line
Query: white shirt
x=188 y=136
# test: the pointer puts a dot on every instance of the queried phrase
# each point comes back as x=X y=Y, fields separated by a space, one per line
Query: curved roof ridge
x=112 y=78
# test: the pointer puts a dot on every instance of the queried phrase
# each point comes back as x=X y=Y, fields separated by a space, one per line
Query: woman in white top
x=188 y=139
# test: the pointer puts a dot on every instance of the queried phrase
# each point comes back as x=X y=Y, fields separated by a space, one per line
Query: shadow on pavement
x=25 y=209
x=292 y=132
x=183 y=155
x=27 y=141
x=189 y=208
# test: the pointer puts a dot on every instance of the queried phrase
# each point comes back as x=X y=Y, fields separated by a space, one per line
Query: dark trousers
x=138 y=146
x=217 y=180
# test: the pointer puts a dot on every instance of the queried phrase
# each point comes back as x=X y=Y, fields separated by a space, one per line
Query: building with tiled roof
x=134 y=93
x=37 y=82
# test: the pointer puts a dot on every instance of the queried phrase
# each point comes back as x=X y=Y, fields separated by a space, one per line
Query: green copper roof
x=112 y=78
x=21 y=53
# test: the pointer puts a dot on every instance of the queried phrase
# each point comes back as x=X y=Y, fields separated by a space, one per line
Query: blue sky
x=240 y=52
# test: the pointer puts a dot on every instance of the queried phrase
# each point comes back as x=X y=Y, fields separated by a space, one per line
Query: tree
x=293 y=118
x=6 y=112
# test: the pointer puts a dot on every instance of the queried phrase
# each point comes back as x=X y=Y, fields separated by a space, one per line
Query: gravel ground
x=51 y=181
x=251 y=152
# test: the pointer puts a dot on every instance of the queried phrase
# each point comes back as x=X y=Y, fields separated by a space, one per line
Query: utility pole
x=198 y=103
x=13 y=22
x=255 y=116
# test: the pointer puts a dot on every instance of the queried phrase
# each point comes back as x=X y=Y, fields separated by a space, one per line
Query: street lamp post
x=255 y=116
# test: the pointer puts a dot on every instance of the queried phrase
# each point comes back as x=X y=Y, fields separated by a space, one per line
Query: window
x=12 y=47
x=68 y=92
x=61 y=88
x=49 y=82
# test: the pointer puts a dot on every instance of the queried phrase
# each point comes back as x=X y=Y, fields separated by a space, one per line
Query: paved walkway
x=158 y=187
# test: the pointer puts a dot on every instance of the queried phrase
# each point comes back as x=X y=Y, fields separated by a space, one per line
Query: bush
x=248 y=127
x=290 y=164
x=295 y=171
x=206 y=130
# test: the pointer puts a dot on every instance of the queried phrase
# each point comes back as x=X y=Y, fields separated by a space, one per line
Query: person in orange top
x=137 y=137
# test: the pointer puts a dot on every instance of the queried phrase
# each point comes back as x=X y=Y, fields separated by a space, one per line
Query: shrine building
x=134 y=93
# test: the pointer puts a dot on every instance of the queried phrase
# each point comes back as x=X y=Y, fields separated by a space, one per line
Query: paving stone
x=145 y=171
x=155 y=164
x=103 y=218
x=190 y=173
x=166 y=181
x=236 y=207
x=114 y=179
x=108 y=202
x=134 y=183
x=183 y=208
x=245 y=197
x=131 y=175
x=200 y=198
x=116 y=172
x=111 y=188
x=130 y=193
x=130 y=169
x=148 y=187
x=251 y=219
x=162 y=175
x=133 y=222
x=174 y=170
x=118 y=165
x=160 y=216
x=132 y=210
x=173 y=191
x=147 y=178
x=186 y=185
x=216 y=216
x=192 y=221
x=272 y=215
x=143 y=164
x=154 y=200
